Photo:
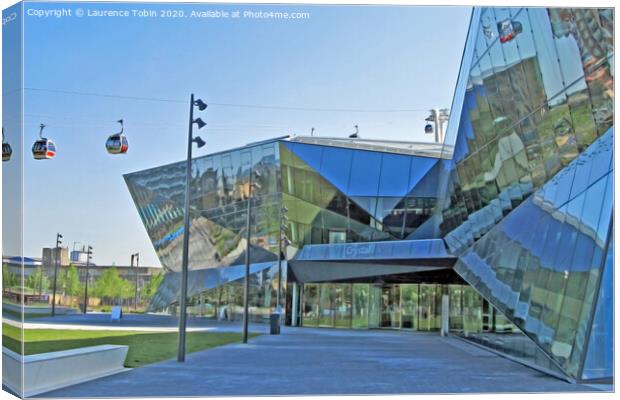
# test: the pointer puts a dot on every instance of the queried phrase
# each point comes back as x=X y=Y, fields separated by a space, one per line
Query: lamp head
x=200 y=104
x=199 y=142
x=201 y=124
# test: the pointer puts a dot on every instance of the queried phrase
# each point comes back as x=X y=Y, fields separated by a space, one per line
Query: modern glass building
x=507 y=224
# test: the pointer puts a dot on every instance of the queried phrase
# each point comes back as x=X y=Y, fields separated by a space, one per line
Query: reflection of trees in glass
x=361 y=293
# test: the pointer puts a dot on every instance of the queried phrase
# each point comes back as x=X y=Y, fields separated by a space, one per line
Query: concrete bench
x=50 y=371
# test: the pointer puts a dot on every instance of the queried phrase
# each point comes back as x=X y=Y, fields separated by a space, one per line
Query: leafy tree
x=38 y=281
x=127 y=289
x=71 y=281
x=150 y=288
x=110 y=286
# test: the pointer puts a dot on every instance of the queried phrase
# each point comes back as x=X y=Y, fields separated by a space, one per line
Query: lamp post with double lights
x=246 y=285
x=89 y=251
x=58 y=243
x=201 y=105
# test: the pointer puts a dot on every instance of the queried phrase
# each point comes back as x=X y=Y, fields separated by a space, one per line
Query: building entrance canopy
x=342 y=261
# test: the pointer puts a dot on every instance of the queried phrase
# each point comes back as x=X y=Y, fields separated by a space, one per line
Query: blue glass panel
x=336 y=167
x=600 y=354
x=419 y=167
x=595 y=196
x=365 y=173
x=602 y=150
x=395 y=175
x=310 y=154
x=427 y=186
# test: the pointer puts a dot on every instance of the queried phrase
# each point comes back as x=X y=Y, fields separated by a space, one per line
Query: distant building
x=15 y=263
x=48 y=257
x=78 y=256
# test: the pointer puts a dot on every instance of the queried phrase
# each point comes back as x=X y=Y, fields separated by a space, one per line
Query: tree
x=126 y=290
x=150 y=288
x=110 y=286
x=38 y=281
x=70 y=281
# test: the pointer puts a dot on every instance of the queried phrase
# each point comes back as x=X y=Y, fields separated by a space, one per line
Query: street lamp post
x=246 y=285
x=58 y=242
x=188 y=178
x=89 y=251
x=135 y=299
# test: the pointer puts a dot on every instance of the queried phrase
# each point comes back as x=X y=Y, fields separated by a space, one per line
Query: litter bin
x=274 y=322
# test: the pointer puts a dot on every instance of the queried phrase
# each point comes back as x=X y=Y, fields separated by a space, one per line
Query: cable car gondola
x=6 y=149
x=117 y=143
x=428 y=129
x=43 y=148
x=508 y=30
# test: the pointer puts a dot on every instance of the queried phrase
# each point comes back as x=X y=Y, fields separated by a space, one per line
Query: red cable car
x=43 y=148
x=6 y=149
x=508 y=30
x=117 y=143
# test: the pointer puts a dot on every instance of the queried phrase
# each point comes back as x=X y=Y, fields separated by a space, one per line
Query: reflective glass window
x=365 y=173
x=310 y=312
x=547 y=56
x=343 y=305
x=360 y=305
x=394 y=175
x=336 y=166
x=599 y=359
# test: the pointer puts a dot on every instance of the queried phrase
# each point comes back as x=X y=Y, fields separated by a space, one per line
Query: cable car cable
x=234 y=105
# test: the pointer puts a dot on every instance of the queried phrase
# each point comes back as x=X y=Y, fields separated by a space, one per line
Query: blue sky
x=343 y=57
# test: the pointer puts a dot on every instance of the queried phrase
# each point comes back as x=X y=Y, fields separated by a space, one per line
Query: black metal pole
x=86 y=280
x=184 y=261
x=246 y=284
x=135 y=301
x=58 y=236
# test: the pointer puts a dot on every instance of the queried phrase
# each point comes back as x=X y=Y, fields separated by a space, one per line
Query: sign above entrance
x=376 y=251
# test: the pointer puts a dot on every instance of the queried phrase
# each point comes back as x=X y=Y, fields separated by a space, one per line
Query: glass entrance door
x=409 y=305
x=374 y=307
x=390 y=306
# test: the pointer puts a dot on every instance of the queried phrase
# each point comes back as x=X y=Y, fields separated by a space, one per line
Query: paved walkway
x=305 y=361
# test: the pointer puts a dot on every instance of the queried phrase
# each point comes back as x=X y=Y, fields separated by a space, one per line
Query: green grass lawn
x=144 y=348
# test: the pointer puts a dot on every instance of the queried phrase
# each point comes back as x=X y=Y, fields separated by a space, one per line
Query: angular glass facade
x=529 y=190
x=341 y=195
x=327 y=202
x=519 y=198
